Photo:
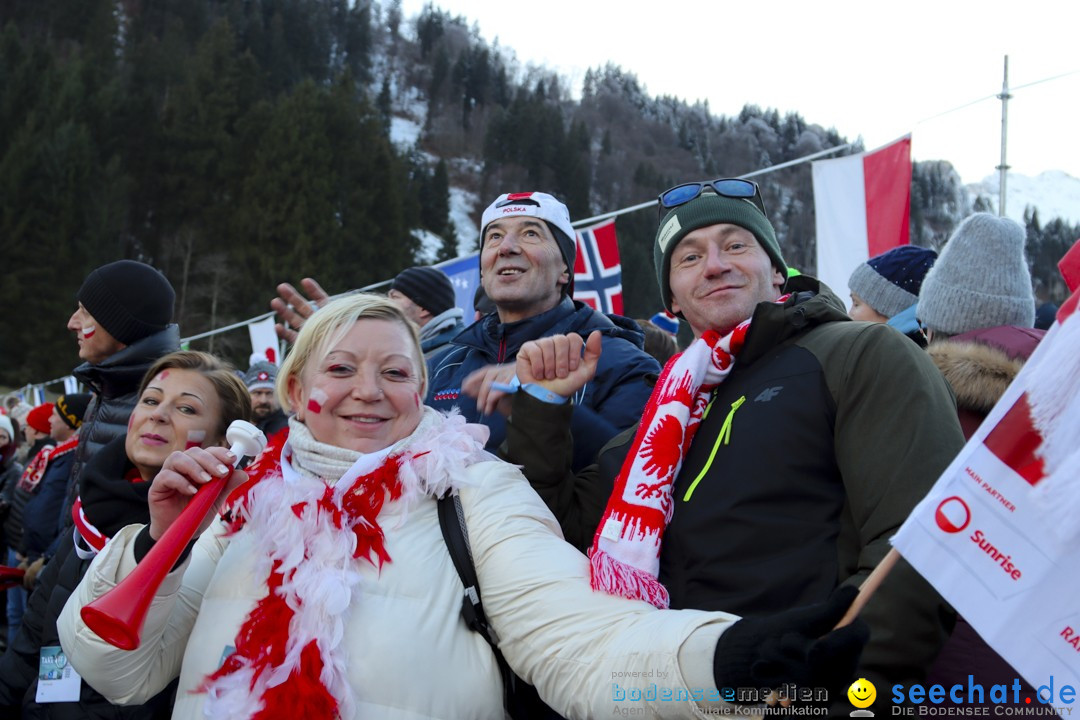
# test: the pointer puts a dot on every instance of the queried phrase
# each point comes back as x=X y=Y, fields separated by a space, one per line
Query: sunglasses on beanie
x=726 y=187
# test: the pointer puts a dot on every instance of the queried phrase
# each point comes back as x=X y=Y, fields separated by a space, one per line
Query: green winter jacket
x=840 y=429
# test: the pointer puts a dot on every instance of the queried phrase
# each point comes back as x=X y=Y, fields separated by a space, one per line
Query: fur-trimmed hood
x=980 y=364
x=978 y=373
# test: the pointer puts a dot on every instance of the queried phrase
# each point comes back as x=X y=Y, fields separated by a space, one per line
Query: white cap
x=534 y=204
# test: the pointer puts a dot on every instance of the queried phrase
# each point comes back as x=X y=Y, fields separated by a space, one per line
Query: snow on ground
x=430 y=244
x=404 y=132
x=410 y=114
x=462 y=205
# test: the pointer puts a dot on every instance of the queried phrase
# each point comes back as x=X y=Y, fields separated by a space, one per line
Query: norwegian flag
x=597 y=270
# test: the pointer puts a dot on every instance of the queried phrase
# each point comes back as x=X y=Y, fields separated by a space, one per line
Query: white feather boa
x=315 y=556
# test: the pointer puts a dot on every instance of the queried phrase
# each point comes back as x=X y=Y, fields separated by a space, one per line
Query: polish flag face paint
x=316 y=400
x=162 y=375
x=416 y=396
x=88 y=332
x=195 y=438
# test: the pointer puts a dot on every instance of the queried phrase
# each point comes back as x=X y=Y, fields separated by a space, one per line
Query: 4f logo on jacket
x=768 y=394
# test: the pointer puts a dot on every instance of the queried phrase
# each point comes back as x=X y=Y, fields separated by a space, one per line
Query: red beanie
x=38 y=418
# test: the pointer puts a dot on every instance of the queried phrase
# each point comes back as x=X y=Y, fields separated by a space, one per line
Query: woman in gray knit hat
x=981 y=279
x=978 y=309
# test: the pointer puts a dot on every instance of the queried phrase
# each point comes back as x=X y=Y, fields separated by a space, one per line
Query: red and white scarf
x=625 y=555
x=290 y=660
x=36 y=469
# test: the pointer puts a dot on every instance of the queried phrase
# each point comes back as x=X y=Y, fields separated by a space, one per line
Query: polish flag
x=862 y=203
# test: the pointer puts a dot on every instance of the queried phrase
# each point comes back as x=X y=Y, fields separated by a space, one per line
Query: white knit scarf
x=314 y=459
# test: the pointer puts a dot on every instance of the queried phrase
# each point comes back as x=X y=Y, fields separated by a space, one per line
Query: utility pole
x=1003 y=168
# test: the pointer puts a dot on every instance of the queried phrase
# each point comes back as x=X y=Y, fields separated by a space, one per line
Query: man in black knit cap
x=427 y=297
x=122 y=325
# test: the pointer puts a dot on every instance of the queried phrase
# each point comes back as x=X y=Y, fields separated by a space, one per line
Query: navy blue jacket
x=42 y=511
x=611 y=402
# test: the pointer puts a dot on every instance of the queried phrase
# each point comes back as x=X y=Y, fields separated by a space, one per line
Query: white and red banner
x=597 y=269
x=862 y=204
x=264 y=342
x=998 y=534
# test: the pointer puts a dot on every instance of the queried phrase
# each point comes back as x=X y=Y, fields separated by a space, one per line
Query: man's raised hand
x=293 y=308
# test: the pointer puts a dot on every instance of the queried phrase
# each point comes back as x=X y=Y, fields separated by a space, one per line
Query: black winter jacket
x=110 y=502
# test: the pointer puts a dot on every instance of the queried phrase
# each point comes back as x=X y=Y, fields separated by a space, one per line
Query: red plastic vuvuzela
x=118 y=616
x=10 y=577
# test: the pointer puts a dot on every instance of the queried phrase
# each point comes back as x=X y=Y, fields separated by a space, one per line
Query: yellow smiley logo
x=862 y=693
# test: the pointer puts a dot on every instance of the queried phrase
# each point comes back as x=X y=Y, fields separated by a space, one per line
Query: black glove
x=794 y=646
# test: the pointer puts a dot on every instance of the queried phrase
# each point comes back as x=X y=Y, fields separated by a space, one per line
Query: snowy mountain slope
x=1054 y=193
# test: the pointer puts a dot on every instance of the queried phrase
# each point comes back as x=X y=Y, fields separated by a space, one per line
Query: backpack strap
x=519 y=698
x=455 y=534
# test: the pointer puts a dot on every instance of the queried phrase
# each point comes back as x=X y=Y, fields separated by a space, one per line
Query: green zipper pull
x=724 y=436
x=725 y=429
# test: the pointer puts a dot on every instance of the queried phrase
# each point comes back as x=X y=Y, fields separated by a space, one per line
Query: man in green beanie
x=778 y=453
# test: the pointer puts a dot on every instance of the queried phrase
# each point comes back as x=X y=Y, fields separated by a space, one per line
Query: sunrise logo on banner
x=997 y=534
x=862 y=205
x=597 y=269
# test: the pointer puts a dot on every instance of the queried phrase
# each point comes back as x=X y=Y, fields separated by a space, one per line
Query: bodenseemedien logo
x=862 y=694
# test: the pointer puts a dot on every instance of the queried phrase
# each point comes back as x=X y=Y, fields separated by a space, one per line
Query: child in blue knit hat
x=886 y=288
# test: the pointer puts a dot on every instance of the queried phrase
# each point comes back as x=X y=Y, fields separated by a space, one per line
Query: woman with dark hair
x=186 y=400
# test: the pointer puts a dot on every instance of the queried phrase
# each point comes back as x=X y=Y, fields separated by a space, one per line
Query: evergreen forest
x=236 y=144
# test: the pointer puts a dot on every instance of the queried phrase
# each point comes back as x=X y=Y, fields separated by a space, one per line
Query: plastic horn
x=118 y=616
x=10 y=577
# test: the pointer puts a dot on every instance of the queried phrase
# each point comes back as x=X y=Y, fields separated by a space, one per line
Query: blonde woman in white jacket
x=329 y=591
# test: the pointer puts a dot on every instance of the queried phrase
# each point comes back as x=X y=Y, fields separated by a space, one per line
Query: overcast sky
x=871 y=69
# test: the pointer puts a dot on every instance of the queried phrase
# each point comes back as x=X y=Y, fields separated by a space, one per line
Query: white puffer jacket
x=411 y=655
